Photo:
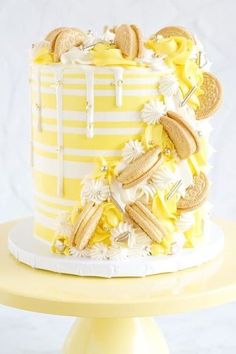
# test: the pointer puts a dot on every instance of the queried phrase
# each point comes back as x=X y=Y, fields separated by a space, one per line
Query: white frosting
x=124 y=234
x=99 y=252
x=117 y=253
x=132 y=150
x=204 y=62
x=168 y=85
x=94 y=190
x=185 y=221
x=138 y=251
x=76 y=56
x=183 y=173
x=90 y=40
x=178 y=242
x=63 y=225
x=163 y=178
x=108 y=36
x=145 y=192
x=38 y=46
x=152 y=111
x=60 y=136
x=155 y=63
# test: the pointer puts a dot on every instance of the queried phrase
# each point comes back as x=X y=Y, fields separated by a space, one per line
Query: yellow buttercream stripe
x=46 y=213
x=101 y=103
x=52 y=205
x=43 y=232
x=81 y=124
x=107 y=87
x=74 y=158
x=47 y=184
x=76 y=141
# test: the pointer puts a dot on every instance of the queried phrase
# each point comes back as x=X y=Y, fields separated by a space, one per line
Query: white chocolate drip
x=38 y=99
x=60 y=147
x=31 y=123
x=89 y=74
x=118 y=73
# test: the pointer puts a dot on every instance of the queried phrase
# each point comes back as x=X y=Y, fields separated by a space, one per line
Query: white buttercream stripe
x=71 y=169
x=77 y=152
x=45 y=220
x=101 y=93
x=128 y=116
x=118 y=73
x=31 y=123
x=38 y=100
x=90 y=102
x=46 y=208
x=98 y=81
x=97 y=131
x=59 y=78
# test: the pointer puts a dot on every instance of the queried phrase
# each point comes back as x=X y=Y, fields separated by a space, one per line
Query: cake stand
x=114 y=312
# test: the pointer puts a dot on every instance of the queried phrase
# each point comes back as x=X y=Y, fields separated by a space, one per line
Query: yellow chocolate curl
x=165 y=210
x=177 y=51
x=106 y=169
x=43 y=56
x=65 y=241
x=111 y=217
x=198 y=161
x=155 y=135
x=106 y=54
x=163 y=248
x=195 y=233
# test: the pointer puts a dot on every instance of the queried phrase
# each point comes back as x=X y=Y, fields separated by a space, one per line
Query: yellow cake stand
x=115 y=312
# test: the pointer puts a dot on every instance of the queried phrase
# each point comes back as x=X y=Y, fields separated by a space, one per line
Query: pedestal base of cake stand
x=116 y=336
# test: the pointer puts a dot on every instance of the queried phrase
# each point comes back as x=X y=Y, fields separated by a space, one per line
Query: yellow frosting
x=106 y=54
x=111 y=217
x=177 y=51
x=43 y=56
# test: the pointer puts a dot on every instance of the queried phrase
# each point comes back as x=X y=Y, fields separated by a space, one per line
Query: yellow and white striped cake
x=120 y=141
x=63 y=154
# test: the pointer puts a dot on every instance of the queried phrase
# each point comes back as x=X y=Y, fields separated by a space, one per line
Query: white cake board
x=35 y=253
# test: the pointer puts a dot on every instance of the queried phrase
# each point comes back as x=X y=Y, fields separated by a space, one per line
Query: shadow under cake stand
x=114 y=312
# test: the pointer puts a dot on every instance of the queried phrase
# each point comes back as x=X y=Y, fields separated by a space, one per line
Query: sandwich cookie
x=128 y=38
x=86 y=225
x=174 y=31
x=211 y=99
x=52 y=36
x=140 y=169
x=195 y=194
x=180 y=132
x=63 y=39
x=141 y=216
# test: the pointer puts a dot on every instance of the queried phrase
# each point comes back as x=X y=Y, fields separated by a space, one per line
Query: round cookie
x=211 y=99
x=128 y=39
x=52 y=36
x=142 y=217
x=86 y=225
x=184 y=138
x=196 y=194
x=177 y=31
x=67 y=39
x=140 y=169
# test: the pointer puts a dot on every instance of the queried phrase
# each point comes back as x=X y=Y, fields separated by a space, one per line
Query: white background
x=23 y=22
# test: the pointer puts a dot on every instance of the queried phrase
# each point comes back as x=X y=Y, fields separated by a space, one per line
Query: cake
x=120 y=142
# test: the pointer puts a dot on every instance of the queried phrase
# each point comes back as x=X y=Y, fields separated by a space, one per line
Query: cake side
x=120 y=144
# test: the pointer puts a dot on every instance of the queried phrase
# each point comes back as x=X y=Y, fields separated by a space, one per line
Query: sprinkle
x=189 y=94
x=174 y=189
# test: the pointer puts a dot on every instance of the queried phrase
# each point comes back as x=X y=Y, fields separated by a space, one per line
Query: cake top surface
x=123 y=45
